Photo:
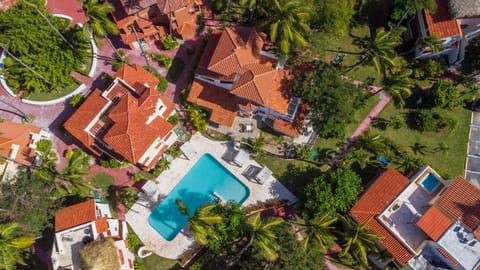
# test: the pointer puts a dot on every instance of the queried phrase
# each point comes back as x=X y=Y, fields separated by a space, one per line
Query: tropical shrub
x=433 y=68
x=133 y=242
x=173 y=119
x=127 y=196
x=29 y=37
x=169 y=43
x=425 y=120
x=444 y=95
x=162 y=84
x=110 y=163
x=77 y=100
x=162 y=60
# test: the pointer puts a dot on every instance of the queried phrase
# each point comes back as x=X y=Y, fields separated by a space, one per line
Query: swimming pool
x=430 y=182
x=206 y=178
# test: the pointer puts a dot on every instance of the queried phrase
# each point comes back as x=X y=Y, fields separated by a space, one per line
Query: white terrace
x=138 y=215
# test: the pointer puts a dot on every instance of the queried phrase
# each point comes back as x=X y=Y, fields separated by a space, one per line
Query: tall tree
x=359 y=240
x=399 y=86
x=403 y=9
x=319 y=229
x=263 y=237
x=99 y=23
x=381 y=49
x=332 y=192
x=432 y=42
x=201 y=223
x=12 y=245
x=287 y=23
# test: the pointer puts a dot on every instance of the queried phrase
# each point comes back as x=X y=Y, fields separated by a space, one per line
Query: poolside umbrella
x=99 y=255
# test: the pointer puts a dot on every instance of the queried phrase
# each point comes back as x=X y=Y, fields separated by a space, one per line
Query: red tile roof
x=462 y=201
x=442 y=24
x=17 y=134
x=123 y=125
x=434 y=223
x=223 y=105
x=4 y=4
x=292 y=128
x=447 y=256
x=101 y=225
x=75 y=215
x=374 y=201
x=234 y=56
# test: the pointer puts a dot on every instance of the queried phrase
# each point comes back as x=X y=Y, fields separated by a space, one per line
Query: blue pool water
x=195 y=189
x=430 y=182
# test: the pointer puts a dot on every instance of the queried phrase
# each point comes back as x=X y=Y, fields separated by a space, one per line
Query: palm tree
x=406 y=163
x=324 y=155
x=304 y=152
x=432 y=42
x=99 y=22
x=163 y=164
x=442 y=147
x=287 y=22
x=71 y=177
x=419 y=148
x=255 y=6
x=381 y=49
x=12 y=245
x=370 y=142
x=360 y=158
x=202 y=222
x=257 y=145
x=414 y=6
x=262 y=237
x=359 y=240
x=320 y=229
x=399 y=86
x=174 y=151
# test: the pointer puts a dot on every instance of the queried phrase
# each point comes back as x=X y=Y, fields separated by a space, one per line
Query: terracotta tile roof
x=234 y=56
x=165 y=6
x=187 y=30
x=77 y=123
x=442 y=23
x=434 y=223
x=75 y=215
x=4 y=4
x=292 y=128
x=101 y=225
x=374 y=201
x=447 y=256
x=462 y=201
x=223 y=105
x=17 y=134
x=132 y=6
x=124 y=125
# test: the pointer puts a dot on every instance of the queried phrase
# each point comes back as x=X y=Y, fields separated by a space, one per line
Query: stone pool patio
x=138 y=215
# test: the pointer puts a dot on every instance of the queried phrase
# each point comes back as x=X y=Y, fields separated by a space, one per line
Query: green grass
x=87 y=65
x=176 y=69
x=46 y=96
x=154 y=262
x=349 y=44
x=103 y=181
x=449 y=165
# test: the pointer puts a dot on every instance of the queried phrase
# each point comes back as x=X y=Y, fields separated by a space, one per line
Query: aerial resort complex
x=217 y=134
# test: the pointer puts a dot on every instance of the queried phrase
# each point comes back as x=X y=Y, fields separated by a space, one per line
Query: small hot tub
x=430 y=182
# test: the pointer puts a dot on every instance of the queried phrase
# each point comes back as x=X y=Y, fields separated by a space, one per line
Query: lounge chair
x=188 y=150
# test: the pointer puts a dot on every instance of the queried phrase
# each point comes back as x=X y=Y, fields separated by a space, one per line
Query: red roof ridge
x=75 y=215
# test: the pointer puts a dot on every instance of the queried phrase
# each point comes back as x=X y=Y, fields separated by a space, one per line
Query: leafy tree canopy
x=27 y=199
x=410 y=8
x=333 y=16
x=332 y=192
x=444 y=95
x=28 y=36
x=333 y=100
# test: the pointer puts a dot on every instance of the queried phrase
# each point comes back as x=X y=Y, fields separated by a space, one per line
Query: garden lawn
x=450 y=165
x=46 y=96
x=154 y=262
x=350 y=46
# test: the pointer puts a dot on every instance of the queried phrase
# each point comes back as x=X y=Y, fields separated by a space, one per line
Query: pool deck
x=138 y=215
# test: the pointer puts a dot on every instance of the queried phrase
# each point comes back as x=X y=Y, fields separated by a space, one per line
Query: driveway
x=472 y=172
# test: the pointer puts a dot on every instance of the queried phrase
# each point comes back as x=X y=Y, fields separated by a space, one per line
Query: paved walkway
x=362 y=127
x=472 y=166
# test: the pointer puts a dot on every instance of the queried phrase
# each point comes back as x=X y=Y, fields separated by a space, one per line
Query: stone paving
x=138 y=215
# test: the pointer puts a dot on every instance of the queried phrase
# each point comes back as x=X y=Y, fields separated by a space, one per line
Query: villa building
x=424 y=221
x=235 y=77
x=17 y=146
x=154 y=19
x=127 y=121
x=455 y=23
x=82 y=223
